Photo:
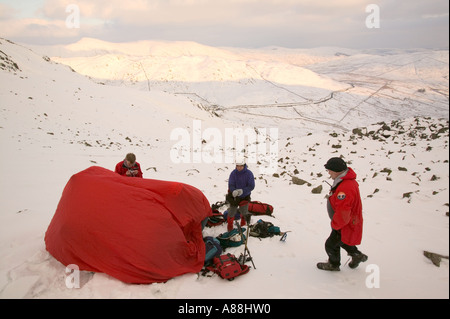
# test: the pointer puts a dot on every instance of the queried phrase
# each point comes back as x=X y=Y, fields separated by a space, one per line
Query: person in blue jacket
x=240 y=186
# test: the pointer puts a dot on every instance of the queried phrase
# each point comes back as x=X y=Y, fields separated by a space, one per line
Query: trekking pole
x=246 y=250
x=246 y=247
x=245 y=243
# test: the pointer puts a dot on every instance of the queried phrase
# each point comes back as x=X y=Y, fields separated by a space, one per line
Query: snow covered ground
x=55 y=122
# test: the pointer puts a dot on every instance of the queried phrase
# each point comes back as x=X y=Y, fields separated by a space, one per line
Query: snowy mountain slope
x=323 y=88
x=54 y=123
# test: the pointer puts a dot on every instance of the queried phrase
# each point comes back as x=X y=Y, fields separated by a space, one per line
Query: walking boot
x=328 y=266
x=356 y=260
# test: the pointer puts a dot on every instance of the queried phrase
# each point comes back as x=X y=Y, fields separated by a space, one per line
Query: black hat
x=336 y=164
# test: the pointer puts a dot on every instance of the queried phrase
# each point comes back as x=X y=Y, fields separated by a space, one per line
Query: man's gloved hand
x=237 y=192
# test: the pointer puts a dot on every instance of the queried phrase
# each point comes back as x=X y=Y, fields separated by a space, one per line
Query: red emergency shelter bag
x=134 y=229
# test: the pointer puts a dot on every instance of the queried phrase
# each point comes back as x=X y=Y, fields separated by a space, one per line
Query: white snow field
x=66 y=108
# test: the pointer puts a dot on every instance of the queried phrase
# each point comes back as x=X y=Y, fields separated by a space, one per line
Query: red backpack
x=258 y=208
x=228 y=267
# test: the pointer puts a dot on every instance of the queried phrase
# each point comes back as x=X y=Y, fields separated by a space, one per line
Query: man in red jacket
x=345 y=210
x=129 y=167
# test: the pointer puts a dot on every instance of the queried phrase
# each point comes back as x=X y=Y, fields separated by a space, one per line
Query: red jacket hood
x=350 y=174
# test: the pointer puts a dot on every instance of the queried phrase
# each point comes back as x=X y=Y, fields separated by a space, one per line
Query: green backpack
x=232 y=238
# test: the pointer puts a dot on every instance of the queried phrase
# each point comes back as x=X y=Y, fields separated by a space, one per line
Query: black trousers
x=333 y=248
x=236 y=201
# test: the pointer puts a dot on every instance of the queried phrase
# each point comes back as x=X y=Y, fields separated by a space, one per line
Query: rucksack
x=264 y=229
x=217 y=205
x=216 y=219
x=231 y=238
x=258 y=208
x=212 y=249
x=228 y=267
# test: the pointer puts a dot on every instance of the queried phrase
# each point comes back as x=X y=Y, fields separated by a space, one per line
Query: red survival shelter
x=136 y=230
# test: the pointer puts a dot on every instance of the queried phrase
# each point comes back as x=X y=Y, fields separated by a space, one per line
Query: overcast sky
x=355 y=24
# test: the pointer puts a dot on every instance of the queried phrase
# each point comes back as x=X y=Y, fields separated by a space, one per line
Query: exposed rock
x=317 y=190
x=299 y=181
x=435 y=258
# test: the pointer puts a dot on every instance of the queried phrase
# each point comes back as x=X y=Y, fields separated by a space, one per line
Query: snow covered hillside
x=384 y=112
x=303 y=90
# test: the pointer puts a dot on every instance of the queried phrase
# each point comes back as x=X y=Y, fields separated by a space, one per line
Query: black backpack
x=264 y=229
